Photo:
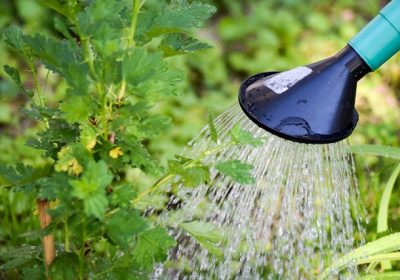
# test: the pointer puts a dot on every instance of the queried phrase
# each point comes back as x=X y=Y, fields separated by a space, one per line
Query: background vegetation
x=247 y=37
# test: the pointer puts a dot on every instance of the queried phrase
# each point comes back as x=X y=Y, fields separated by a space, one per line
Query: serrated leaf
x=66 y=10
x=206 y=235
x=63 y=57
x=122 y=195
x=13 y=73
x=67 y=162
x=211 y=127
x=238 y=171
x=153 y=126
x=178 y=16
x=56 y=136
x=189 y=176
x=96 y=205
x=178 y=44
x=147 y=73
x=124 y=225
x=138 y=156
x=88 y=137
x=76 y=108
x=36 y=112
x=61 y=26
x=102 y=22
x=243 y=137
x=21 y=175
x=14 y=37
x=23 y=251
x=152 y=247
x=90 y=188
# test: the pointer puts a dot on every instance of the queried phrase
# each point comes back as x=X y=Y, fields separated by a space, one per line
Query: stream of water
x=300 y=214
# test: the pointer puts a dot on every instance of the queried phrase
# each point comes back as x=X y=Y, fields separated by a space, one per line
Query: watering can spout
x=315 y=103
x=310 y=104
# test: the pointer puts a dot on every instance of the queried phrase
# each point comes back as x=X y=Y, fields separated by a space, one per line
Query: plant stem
x=66 y=236
x=48 y=240
x=82 y=251
x=35 y=81
x=131 y=41
x=163 y=180
x=158 y=184
x=39 y=93
x=132 y=29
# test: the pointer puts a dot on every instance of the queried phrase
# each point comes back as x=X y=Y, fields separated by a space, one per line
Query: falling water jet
x=297 y=216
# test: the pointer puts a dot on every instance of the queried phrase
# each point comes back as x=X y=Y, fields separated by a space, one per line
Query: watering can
x=315 y=103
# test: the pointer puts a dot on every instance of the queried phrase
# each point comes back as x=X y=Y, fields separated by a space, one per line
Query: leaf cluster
x=113 y=59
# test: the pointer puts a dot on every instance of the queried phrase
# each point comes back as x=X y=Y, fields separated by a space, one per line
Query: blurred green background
x=247 y=37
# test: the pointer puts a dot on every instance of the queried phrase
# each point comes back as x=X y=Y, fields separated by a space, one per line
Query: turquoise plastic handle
x=380 y=39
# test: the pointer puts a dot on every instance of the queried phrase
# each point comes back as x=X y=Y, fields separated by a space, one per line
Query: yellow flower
x=90 y=144
x=116 y=152
x=75 y=167
x=67 y=162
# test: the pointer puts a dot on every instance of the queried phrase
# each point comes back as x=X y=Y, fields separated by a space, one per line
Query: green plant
x=114 y=62
x=385 y=249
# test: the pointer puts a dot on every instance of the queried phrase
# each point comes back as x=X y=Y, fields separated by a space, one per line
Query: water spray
x=302 y=211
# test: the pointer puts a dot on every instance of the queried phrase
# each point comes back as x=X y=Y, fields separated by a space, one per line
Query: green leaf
x=206 y=235
x=178 y=44
x=195 y=175
x=238 y=171
x=15 y=263
x=63 y=57
x=376 y=150
x=90 y=188
x=101 y=21
x=14 y=37
x=243 y=137
x=56 y=136
x=153 y=126
x=152 y=246
x=122 y=195
x=77 y=108
x=138 y=156
x=382 y=245
x=383 y=215
x=148 y=75
x=380 y=258
x=124 y=225
x=211 y=126
x=395 y=275
x=21 y=175
x=61 y=26
x=178 y=16
x=63 y=9
x=13 y=73
x=23 y=251
x=65 y=267
x=190 y=175
x=95 y=205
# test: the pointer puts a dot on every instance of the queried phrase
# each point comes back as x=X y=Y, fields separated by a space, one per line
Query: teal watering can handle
x=380 y=39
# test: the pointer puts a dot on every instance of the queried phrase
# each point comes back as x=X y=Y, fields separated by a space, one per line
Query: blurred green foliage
x=247 y=37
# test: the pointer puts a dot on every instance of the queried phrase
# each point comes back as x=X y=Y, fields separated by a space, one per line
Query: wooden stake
x=48 y=240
